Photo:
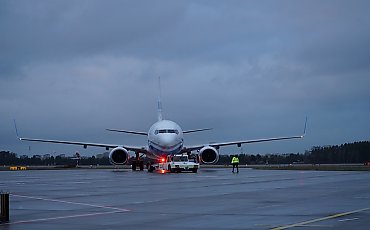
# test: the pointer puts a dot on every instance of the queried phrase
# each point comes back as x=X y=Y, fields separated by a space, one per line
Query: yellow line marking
x=320 y=219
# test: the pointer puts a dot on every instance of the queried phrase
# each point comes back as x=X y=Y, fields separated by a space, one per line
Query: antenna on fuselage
x=160 y=117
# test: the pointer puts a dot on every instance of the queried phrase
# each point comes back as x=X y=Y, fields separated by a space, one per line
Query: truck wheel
x=170 y=169
x=194 y=170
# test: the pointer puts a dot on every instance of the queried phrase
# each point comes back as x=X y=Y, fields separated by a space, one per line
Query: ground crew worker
x=235 y=163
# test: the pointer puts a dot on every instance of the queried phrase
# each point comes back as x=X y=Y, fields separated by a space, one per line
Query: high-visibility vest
x=235 y=160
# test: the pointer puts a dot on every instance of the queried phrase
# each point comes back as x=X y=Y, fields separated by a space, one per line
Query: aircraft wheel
x=133 y=166
x=141 y=165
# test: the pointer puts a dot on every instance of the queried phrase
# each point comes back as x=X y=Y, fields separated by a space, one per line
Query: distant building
x=62 y=156
x=46 y=156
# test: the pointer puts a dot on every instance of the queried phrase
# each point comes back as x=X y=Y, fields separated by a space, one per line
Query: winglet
x=305 y=126
x=16 y=130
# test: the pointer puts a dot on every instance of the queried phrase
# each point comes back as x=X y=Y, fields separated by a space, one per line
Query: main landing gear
x=137 y=163
x=150 y=167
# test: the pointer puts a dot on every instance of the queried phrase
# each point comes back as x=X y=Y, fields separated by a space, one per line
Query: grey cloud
x=70 y=69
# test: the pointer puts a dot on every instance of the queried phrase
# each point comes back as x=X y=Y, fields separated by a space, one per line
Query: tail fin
x=160 y=117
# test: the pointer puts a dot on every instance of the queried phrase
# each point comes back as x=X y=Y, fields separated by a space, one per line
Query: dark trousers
x=236 y=165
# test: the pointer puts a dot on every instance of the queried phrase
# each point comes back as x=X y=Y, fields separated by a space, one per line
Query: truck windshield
x=180 y=158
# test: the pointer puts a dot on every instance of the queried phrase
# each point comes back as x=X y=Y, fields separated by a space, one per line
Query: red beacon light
x=163 y=160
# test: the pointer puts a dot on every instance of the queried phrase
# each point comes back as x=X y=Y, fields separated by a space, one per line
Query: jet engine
x=208 y=155
x=118 y=156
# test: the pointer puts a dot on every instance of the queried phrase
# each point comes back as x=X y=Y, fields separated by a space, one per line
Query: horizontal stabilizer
x=196 y=130
x=126 y=131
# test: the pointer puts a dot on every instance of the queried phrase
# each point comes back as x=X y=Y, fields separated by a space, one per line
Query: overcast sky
x=247 y=69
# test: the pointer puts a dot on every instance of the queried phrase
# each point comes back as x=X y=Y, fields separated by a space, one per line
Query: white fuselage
x=164 y=138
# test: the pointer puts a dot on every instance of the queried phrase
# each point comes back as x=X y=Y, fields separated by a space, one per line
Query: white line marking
x=70 y=202
x=60 y=217
x=270 y=206
x=349 y=219
x=304 y=223
x=316 y=226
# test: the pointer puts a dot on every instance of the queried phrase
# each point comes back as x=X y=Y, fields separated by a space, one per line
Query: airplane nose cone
x=168 y=140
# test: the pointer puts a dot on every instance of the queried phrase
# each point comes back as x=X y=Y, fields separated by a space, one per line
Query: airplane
x=165 y=137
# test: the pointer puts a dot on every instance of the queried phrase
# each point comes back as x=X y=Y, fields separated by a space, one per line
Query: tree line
x=357 y=152
x=9 y=158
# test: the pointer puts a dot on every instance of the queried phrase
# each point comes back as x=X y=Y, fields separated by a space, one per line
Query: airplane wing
x=145 y=134
x=85 y=144
x=239 y=143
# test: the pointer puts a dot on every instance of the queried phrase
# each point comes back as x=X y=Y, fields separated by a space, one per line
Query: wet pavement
x=210 y=199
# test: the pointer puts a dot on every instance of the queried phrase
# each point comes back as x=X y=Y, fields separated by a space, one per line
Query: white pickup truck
x=176 y=163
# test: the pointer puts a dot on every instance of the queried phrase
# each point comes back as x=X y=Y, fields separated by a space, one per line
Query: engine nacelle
x=208 y=155
x=118 y=156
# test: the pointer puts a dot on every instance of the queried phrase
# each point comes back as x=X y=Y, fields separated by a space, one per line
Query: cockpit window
x=166 y=131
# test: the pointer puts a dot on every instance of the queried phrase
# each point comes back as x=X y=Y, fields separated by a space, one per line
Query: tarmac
x=213 y=198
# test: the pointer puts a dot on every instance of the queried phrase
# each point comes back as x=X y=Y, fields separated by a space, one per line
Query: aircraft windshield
x=166 y=131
